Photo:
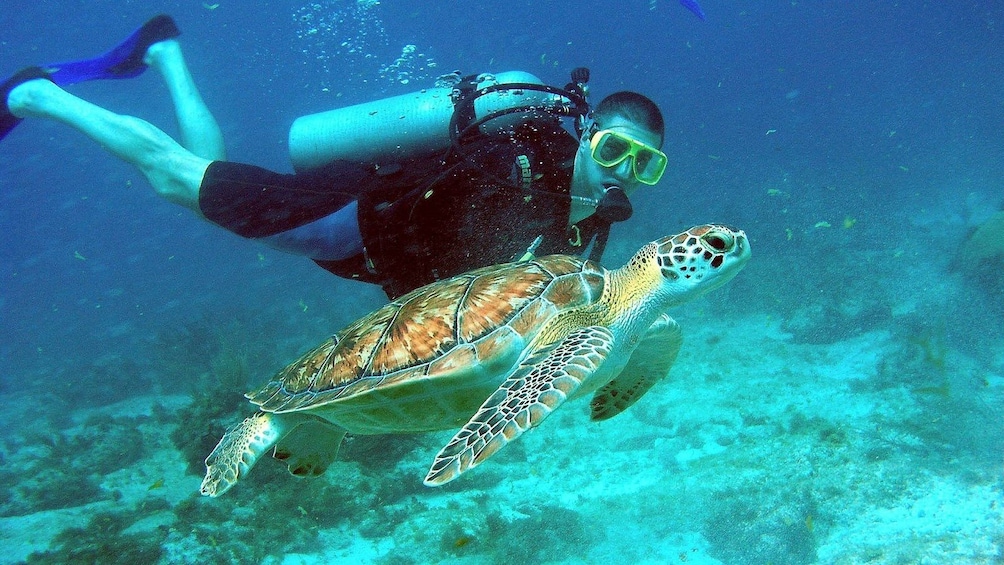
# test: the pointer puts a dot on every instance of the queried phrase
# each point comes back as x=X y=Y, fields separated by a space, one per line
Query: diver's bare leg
x=173 y=171
x=200 y=133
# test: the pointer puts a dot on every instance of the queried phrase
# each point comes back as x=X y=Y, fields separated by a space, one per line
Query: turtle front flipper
x=539 y=385
x=310 y=449
x=240 y=448
x=650 y=363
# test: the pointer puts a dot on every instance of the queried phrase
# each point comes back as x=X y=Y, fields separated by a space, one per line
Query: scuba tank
x=405 y=126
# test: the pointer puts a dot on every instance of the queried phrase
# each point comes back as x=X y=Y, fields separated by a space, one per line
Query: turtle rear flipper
x=309 y=449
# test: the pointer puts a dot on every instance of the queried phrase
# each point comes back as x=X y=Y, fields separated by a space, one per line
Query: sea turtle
x=492 y=352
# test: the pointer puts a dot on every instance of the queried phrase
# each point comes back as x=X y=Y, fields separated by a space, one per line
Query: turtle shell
x=427 y=360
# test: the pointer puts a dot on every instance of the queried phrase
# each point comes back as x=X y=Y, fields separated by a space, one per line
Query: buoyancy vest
x=497 y=198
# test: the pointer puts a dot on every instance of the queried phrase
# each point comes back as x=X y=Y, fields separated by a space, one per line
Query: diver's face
x=591 y=179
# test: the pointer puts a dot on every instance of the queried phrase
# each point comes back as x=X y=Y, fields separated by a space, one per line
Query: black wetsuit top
x=432 y=217
x=484 y=207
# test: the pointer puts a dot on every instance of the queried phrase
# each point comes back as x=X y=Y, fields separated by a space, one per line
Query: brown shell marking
x=419 y=334
x=493 y=298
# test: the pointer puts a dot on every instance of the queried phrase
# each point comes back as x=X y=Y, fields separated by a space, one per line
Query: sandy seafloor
x=840 y=402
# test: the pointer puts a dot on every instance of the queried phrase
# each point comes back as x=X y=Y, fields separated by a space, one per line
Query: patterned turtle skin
x=491 y=352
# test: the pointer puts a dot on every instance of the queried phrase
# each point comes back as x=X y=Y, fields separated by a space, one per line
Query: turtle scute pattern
x=420 y=330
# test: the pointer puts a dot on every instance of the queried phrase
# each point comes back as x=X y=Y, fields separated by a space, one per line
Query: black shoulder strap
x=463 y=106
x=600 y=243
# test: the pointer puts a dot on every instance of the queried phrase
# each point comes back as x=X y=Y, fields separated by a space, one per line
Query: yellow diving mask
x=609 y=148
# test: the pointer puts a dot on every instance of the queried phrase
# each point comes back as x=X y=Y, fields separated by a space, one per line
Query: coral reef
x=65 y=468
x=751 y=526
x=217 y=402
x=981 y=259
x=984 y=244
x=104 y=539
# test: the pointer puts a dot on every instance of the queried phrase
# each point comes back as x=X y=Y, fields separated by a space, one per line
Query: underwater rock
x=981 y=258
x=986 y=243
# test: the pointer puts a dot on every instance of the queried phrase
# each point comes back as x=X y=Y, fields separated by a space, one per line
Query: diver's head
x=619 y=150
x=636 y=108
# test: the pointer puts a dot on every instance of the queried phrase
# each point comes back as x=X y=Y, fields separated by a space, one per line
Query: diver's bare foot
x=27 y=98
x=163 y=54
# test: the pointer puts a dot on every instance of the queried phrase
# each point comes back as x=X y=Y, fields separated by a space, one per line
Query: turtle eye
x=718 y=241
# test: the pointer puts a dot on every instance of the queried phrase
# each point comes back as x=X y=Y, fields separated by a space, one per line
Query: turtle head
x=700 y=260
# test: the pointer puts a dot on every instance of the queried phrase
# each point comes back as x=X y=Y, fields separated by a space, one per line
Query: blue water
x=857 y=143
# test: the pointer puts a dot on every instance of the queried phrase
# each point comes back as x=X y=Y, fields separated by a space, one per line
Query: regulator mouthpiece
x=614 y=206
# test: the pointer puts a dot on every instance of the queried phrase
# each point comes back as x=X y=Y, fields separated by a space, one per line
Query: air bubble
x=347 y=41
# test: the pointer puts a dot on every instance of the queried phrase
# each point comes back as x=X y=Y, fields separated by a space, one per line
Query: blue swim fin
x=124 y=61
x=8 y=120
x=694 y=7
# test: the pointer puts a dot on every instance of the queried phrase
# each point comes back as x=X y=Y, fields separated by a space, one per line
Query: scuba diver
x=399 y=192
